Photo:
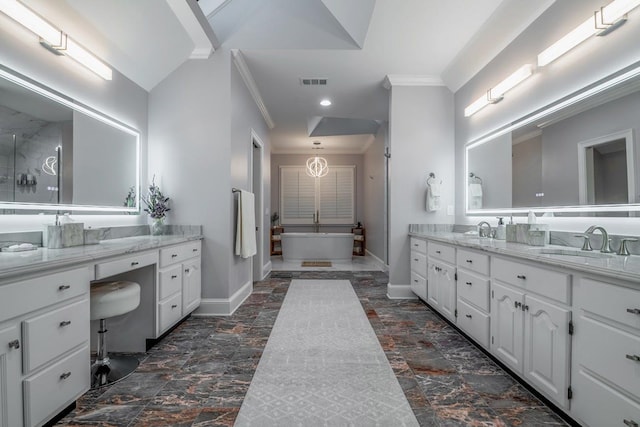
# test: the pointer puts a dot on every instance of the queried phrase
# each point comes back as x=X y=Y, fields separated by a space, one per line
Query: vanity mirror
x=576 y=156
x=59 y=155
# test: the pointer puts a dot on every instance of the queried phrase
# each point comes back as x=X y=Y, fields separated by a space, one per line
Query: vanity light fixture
x=325 y=102
x=54 y=39
x=496 y=93
x=603 y=21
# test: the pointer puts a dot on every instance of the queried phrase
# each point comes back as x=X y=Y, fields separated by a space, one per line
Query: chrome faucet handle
x=586 y=245
x=606 y=245
x=623 y=246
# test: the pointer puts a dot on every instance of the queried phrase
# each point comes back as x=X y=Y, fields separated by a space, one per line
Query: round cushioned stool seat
x=109 y=299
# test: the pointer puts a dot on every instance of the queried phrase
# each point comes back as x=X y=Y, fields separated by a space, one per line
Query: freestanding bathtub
x=317 y=246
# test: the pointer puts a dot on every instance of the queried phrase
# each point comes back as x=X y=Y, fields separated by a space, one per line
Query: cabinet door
x=10 y=390
x=546 y=348
x=447 y=290
x=191 y=285
x=507 y=325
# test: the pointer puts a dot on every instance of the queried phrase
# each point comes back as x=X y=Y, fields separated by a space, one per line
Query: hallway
x=200 y=373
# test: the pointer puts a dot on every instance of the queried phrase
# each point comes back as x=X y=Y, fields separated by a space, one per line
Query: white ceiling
x=354 y=44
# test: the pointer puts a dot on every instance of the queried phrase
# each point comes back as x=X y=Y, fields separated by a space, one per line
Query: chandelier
x=317 y=167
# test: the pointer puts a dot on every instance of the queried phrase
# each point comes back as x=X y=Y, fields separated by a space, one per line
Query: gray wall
x=591 y=61
x=190 y=154
x=278 y=160
x=119 y=98
x=421 y=138
x=245 y=117
x=374 y=194
x=200 y=121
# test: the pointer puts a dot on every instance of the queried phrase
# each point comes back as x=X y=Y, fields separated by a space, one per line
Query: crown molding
x=411 y=80
x=242 y=67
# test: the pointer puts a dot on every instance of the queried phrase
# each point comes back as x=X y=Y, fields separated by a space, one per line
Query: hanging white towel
x=246 y=225
x=433 y=197
x=475 y=195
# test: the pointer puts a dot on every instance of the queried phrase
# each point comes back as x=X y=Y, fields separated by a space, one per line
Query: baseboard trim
x=224 y=306
x=378 y=261
x=400 y=292
x=266 y=269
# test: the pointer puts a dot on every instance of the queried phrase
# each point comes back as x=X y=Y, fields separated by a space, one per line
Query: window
x=332 y=196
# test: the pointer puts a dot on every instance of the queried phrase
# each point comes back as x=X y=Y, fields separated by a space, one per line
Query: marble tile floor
x=199 y=374
x=358 y=263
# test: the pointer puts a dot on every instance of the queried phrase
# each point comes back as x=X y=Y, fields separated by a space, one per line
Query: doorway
x=256 y=179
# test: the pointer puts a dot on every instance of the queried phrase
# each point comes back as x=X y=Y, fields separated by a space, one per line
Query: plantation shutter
x=297 y=190
x=333 y=195
x=336 y=194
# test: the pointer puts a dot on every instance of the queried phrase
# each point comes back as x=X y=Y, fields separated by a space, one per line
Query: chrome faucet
x=605 y=239
x=481 y=230
x=316 y=222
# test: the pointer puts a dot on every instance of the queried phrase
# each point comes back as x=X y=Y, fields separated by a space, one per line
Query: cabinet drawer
x=596 y=404
x=419 y=285
x=170 y=281
x=473 y=322
x=29 y=295
x=550 y=284
x=51 y=390
x=604 y=350
x=128 y=263
x=178 y=253
x=610 y=301
x=473 y=261
x=474 y=289
x=53 y=333
x=419 y=263
x=442 y=252
x=418 y=245
x=169 y=312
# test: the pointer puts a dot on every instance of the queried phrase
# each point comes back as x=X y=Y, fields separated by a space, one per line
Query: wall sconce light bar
x=496 y=94
x=54 y=39
x=602 y=22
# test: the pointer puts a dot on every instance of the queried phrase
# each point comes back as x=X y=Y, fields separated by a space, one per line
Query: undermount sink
x=571 y=253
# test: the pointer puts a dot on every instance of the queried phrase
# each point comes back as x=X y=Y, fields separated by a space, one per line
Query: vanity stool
x=110 y=299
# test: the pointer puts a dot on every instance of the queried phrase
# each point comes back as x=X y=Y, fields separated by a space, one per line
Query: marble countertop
x=20 y=263
x=609 y=265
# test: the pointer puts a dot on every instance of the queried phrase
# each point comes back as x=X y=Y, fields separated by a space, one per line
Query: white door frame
x=257 y=261
x=583 y=177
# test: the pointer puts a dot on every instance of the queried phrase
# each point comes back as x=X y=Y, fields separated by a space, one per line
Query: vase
x=157 y=226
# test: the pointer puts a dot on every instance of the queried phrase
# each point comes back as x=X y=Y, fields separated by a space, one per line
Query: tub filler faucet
x=316 y=222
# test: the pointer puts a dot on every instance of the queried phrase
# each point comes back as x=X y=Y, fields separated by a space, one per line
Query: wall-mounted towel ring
x=432 y=179
x=473 y=178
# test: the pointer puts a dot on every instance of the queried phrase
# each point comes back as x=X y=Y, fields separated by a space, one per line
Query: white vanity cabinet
x=44 y=345
x=473 y=294
x=606 y=353
x=530 y=324
x=179 y=283
x=441 y=291
x=419 y=267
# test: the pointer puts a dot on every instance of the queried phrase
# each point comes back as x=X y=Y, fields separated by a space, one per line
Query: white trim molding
x=242 y=67
x=266 y=269
x=400 y=292
x=411 y=80
x=224 y=306
x=378 y=261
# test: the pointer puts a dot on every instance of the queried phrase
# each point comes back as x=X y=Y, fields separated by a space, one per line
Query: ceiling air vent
x=313 y=82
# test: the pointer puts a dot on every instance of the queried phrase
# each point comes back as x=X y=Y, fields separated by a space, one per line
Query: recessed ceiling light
x=325 y=102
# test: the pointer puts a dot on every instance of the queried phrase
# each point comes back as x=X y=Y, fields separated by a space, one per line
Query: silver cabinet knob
x=63 y=287
x=630 y=423
x=15 y=344
x=633 y=310
x=65 y=375
x=633 y=357
x=65 y=323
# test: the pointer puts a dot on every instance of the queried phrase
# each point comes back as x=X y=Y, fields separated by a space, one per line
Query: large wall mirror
x=577 y=156
x=59 y=155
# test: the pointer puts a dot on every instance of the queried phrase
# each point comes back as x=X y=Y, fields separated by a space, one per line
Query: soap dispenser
x=501 y=232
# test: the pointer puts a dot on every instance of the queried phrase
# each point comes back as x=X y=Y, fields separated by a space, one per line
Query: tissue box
x=72 y=234
x=529 y=234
